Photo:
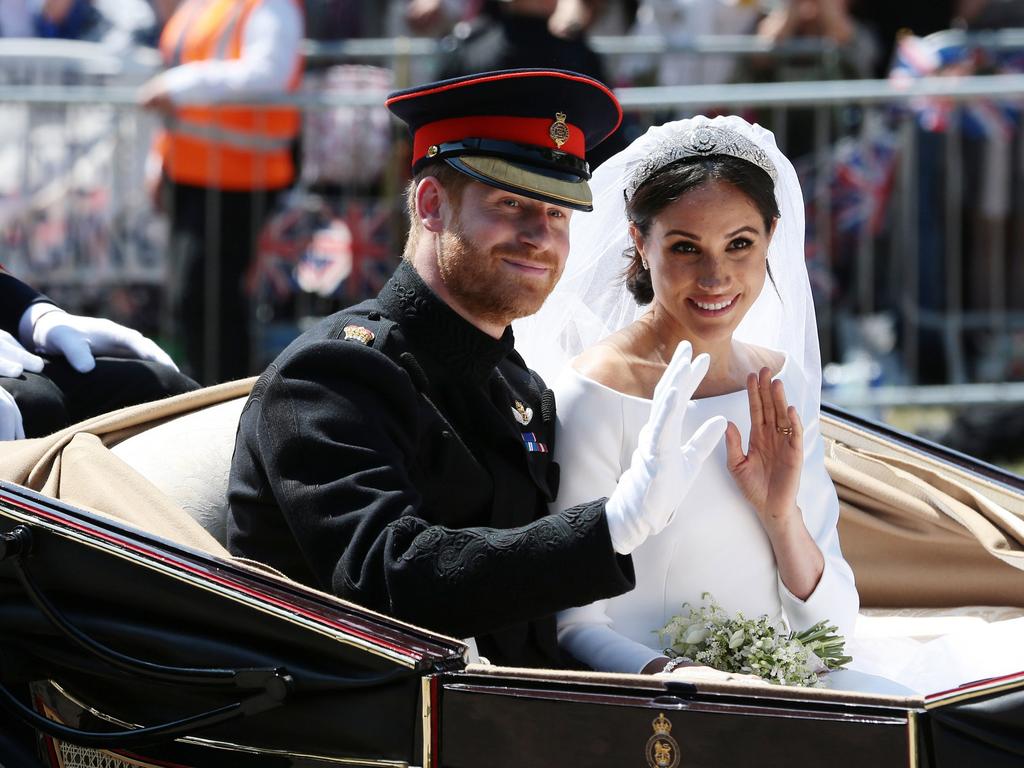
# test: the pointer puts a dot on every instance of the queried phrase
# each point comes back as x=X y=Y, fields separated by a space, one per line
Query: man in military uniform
x=400 y=454
x=39 y=395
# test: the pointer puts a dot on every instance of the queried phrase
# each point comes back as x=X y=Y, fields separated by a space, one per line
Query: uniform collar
x=429 y=322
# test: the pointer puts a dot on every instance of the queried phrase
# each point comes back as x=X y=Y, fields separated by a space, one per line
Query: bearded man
x=400 y=453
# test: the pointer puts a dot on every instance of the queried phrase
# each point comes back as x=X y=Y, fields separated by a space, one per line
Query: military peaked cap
x=523 y=130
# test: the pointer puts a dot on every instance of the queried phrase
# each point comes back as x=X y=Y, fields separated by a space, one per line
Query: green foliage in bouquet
x=708 y=636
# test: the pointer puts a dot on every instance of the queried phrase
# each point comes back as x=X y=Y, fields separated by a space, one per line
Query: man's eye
x=556 y=213
x=510 y=203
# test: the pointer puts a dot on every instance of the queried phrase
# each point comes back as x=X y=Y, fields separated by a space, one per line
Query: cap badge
x=559 y=131
x=432 y=150
x=358 y=333
x=522 y=413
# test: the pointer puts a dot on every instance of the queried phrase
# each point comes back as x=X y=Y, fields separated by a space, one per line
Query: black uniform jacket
x=15 y=298
x=398 y=457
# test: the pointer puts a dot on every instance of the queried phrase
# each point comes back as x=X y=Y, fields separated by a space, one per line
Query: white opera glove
x=11 y=427
x=663 y=467
x=78 y=338
x=14 y=358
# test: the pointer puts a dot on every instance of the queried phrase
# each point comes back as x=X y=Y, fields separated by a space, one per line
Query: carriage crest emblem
x=662 y=751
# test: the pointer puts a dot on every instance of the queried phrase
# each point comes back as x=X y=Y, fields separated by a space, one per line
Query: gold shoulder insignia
x=358 y=333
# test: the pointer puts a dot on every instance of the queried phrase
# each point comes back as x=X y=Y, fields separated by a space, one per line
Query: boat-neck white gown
x=714 y=543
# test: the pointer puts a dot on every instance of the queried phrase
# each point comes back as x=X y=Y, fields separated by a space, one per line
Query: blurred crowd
x=321 y=231
x=485 y=33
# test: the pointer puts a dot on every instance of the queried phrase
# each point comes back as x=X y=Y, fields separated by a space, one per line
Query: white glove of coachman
x=78 y=339
x=14 y=360
x=663 y=467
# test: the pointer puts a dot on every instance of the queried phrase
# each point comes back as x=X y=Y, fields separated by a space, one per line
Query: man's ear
x=432 y=207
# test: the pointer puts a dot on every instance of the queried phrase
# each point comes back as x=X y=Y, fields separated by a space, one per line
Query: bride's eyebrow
x=750 y=229
x=691 y=236
x=683 y=233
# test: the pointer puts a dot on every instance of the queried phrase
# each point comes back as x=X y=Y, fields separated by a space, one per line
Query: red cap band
x=534 y=131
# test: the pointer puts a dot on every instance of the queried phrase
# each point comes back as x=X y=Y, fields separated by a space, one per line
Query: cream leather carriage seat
x=188 y=458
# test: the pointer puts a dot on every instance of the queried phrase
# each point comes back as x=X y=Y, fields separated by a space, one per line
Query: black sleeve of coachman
x=15 y=298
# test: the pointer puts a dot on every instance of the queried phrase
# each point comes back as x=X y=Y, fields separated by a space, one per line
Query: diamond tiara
x=700 y=141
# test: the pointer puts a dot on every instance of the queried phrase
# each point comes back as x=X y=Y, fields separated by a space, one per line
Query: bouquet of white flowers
x=708 y=636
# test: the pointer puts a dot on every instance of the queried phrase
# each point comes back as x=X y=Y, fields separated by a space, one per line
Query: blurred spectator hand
x=570 y=19
x=79 y=338
x=154 y=95
x=424 y=15
x=10 y=417
x=809 y=18
x=14 y=358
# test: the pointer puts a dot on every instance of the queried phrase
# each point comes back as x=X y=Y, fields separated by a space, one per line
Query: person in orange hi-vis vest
x=220 y=167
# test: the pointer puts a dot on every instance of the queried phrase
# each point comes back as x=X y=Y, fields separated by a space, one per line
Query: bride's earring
x=643 y=263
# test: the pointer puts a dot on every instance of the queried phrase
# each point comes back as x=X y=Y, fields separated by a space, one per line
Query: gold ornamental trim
x=426 y=692
x=912 y=739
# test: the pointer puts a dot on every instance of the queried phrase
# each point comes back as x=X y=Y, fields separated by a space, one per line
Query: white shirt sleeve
x=270 y=45
x=590 y=449
x=835 y=597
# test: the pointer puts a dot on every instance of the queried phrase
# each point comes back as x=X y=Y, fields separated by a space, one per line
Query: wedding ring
x=787 y=430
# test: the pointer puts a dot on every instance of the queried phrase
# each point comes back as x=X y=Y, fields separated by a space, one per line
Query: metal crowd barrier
x=912 y=236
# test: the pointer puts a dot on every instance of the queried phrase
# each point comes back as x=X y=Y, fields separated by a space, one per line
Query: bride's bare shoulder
x=755 y=358
x=610 y=363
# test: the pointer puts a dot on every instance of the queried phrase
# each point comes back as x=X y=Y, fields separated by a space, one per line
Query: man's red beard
x=477 y=281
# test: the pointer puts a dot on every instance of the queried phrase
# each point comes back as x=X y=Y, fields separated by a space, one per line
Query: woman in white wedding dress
x=702 y=213
x=709 y=217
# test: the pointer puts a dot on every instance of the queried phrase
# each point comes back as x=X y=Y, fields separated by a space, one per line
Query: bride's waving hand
x=768 y=475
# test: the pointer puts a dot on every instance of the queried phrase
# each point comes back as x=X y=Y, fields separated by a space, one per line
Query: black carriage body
x=318 y=682
x=351 y=679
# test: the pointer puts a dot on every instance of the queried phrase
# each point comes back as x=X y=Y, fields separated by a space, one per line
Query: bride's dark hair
x=668 y=184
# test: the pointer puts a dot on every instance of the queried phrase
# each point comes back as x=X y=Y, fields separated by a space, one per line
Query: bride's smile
x=714 y=306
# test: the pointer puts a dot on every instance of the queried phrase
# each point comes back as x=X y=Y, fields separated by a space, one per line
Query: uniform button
x=445 y=434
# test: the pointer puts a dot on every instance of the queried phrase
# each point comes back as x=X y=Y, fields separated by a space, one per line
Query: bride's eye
x=684 y=246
